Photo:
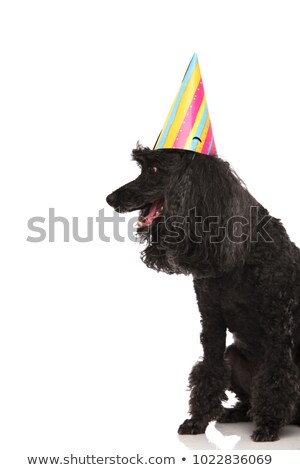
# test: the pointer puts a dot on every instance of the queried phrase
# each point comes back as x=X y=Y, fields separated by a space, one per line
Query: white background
x=96 y=348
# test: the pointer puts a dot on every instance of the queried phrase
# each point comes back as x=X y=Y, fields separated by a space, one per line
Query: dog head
x=186 y=201
x=148 y=191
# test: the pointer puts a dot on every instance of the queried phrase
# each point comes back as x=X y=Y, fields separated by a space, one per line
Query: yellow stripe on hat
x=157 y=145
x=183 y=107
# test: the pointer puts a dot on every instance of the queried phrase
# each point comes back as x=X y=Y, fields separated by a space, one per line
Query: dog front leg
x=208 y=379
x=275 y=390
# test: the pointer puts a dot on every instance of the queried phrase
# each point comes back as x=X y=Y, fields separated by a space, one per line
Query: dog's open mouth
x=149 y=213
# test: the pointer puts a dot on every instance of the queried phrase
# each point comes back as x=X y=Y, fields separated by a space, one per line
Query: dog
x=198 y=218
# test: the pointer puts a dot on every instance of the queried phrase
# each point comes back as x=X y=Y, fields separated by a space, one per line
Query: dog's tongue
x=154 y=212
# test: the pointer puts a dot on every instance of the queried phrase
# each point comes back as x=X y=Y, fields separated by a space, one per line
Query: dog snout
x=112 y=199
x=125 y=199
x=115 y=200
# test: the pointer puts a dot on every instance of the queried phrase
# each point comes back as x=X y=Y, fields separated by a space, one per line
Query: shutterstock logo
x=46 y=229
x=237 y=229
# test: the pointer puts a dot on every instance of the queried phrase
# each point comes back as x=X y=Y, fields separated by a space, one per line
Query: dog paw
x=265 y=434
x=191 y=426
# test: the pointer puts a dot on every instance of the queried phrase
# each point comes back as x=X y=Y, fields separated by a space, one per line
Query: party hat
x=188 y=123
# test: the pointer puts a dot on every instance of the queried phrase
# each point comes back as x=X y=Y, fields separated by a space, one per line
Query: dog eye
x=153 y=169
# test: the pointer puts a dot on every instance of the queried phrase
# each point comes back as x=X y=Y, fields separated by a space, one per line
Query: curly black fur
x=246 y=275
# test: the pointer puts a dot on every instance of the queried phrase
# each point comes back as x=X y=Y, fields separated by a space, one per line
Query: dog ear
x=207 y=212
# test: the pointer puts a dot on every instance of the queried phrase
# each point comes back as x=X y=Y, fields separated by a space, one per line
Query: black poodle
x=197 y=217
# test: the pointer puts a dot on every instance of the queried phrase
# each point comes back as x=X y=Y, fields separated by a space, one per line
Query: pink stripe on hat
x=190 y=117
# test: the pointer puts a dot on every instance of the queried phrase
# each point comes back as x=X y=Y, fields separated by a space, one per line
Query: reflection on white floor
x=237 y=436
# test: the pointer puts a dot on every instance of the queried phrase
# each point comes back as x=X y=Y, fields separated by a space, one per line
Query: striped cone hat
x=188 y=123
